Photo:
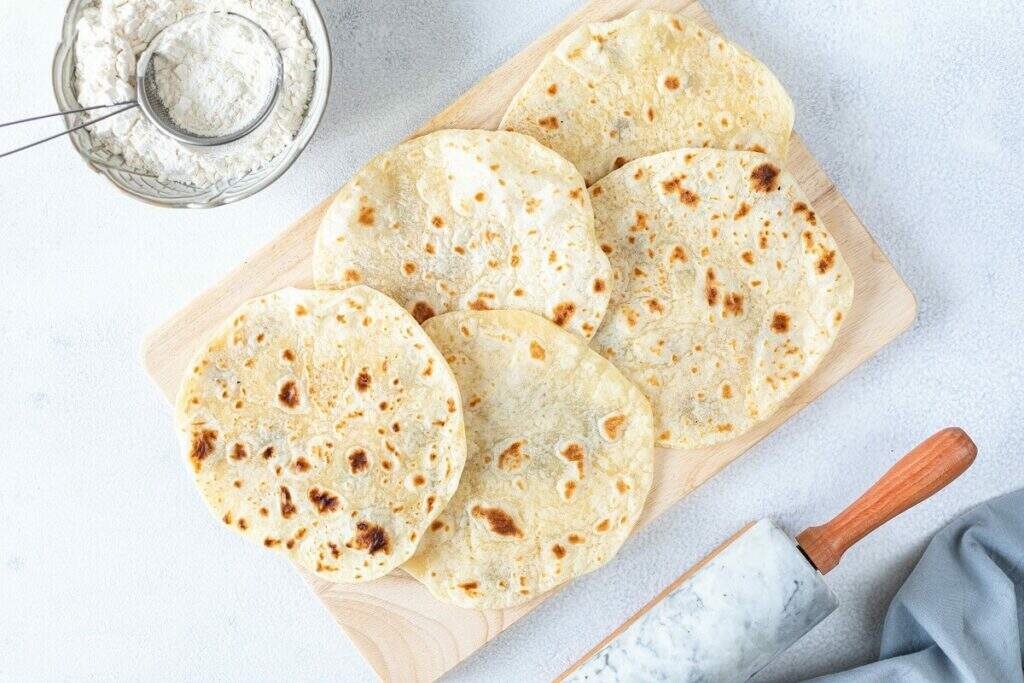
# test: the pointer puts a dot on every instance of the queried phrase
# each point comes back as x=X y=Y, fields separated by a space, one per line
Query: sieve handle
x=125 y=107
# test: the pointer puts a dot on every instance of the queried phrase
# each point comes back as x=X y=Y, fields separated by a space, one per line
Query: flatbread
x=325 y=425
x=469 y=219
x=647 y=83
x=727 y=288
x=559 y=464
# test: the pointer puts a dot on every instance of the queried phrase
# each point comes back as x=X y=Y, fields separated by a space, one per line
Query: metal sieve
x=149 y=102
x=153 y=107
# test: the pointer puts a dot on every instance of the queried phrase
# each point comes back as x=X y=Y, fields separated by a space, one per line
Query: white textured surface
x=109 y=564
x=725 y=623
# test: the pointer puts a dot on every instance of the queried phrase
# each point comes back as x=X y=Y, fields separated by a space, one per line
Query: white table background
x=110 y=566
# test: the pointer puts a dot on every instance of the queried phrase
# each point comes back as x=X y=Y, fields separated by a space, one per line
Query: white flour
x=111 y=36
x=214 y=73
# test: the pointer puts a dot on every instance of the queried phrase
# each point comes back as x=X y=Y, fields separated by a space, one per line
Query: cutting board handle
x=933 y=463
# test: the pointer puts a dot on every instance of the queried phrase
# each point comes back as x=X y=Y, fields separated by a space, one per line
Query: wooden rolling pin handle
x=932 y=464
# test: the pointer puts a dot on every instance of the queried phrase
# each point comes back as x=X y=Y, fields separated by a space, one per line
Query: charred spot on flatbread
x=371 y=538
x=499 y=521
x=203 y=443
x=765 y=177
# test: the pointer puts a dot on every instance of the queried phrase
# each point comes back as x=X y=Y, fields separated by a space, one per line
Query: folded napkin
x=960 y=614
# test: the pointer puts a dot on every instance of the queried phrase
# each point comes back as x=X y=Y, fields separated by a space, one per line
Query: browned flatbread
x=727 y=288
x=469 y=220
x=559 y=462
x=324 y=425
x=647 y=83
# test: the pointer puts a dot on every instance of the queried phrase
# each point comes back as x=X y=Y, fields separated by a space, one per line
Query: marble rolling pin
x=759 y=592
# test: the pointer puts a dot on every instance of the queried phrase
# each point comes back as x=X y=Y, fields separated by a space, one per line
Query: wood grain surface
x=405 y=634
x=919 y=474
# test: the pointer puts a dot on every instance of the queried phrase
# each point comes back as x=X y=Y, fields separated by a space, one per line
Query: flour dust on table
x=214 y=84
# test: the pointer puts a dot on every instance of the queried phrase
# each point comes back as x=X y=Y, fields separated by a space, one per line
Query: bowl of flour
x=212 y=77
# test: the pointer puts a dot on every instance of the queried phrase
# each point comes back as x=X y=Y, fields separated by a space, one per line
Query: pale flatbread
x=559 y=463
x=469 y=219
x=325 y=425
x=647 y=83
x=727 y=288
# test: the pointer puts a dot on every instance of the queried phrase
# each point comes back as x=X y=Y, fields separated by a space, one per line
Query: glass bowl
x=169 y=193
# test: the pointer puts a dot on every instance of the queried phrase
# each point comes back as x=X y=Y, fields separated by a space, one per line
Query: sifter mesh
x=156 y=110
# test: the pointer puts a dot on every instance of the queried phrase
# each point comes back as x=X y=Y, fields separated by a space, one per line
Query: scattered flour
x=111 y=36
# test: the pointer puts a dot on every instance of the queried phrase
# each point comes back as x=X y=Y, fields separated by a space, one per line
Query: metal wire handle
x=131 y=104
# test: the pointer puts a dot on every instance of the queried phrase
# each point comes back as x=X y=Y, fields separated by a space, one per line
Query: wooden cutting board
x=399 y=628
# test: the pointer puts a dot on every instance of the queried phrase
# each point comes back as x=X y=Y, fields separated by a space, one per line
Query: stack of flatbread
x=507 y=322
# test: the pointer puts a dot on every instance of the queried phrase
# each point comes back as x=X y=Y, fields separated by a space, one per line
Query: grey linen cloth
x=960 y=614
